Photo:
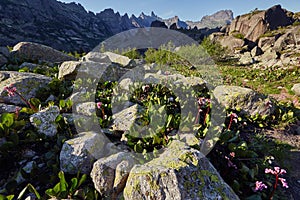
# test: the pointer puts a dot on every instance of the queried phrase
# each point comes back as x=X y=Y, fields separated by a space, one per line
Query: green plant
x=239 y=36
x=214 y=49
x=132 y=53
x=72 y=189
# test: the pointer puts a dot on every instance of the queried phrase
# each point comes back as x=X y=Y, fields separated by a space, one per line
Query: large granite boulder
x=110 y=174
x=231 y=42
x=26 y=84
x=79 y=153
x=96 y=57
x=119 y=59
x=180 y=172
x=255 y=24
x=244 y=99
x=96 y=70
x=29 y=51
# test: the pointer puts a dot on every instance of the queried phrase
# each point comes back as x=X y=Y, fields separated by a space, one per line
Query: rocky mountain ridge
x=67 y=26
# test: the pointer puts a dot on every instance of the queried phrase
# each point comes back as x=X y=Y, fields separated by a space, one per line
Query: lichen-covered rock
x=110 y=174
x=86 y=108
x=244 y=99
x=29 y=51
x=79 y=153
x=296 y=89
x=180 y=172
x=26 y=84
x=44 y=121
x=122 y=60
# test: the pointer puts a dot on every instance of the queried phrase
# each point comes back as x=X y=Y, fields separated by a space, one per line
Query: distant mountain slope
x=218 y=19
x=69 y=27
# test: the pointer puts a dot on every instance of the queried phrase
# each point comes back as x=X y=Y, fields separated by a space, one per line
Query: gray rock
x=100 y=71
x=4 y=108
x=79 y=153
x=246 y=59
x=244 y=99
x=266 y=42
x=110 y=174
x=122 y=60
x=28 y=51
x=29 y=167
x=268 y=55
x=26 y=84
x=231 y=42
x=96 y=57
x=68 y=69
x=44 y=121
x=4 y=51
x=124 y=119
x=86 y=108
x=3 y=60
x=296 y=89
x=286 y=39
x=179 y=172
x=30 y=66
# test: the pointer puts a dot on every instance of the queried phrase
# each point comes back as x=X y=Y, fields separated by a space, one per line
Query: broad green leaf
x=7 y=119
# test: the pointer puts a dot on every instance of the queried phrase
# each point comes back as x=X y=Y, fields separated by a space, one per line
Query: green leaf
x=7 y=119
x=82 y=180
x=63 y=183
x=170 y=118
x=31 y=189
x=74 y=183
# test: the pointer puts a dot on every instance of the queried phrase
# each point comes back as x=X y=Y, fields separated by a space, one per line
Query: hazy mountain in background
x=218 y=19
x=69 y=27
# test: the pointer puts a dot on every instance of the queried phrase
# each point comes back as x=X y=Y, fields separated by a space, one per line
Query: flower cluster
x=277 y=171
x=259 y=186
x=11 y=90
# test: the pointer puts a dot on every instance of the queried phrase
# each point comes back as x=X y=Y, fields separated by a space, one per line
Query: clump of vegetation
x=242 y=154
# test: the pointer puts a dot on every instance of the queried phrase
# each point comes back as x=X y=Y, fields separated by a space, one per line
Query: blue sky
x=187 y=9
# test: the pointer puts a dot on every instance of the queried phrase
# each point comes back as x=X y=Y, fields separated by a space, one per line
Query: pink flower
x=276 y=171
x=99 y=104
x=11 y=90
x=283 y=182
x=259 y=186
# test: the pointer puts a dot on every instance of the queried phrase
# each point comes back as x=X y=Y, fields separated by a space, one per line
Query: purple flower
x=259 y=186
